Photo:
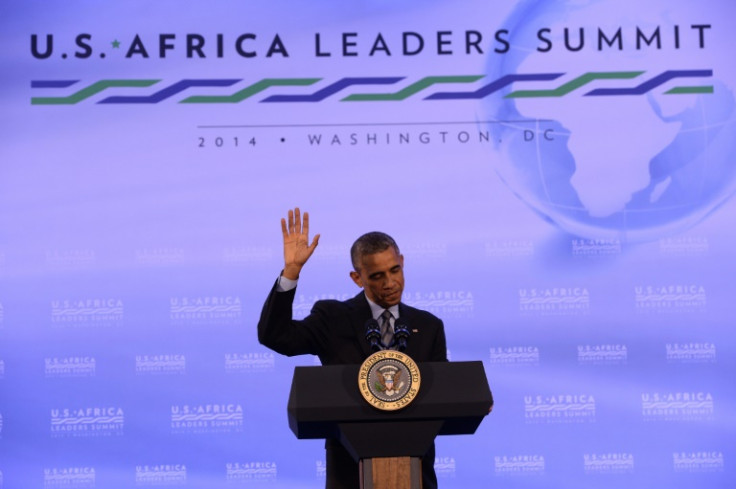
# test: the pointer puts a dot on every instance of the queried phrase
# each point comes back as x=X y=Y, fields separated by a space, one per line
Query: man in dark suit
x=335 y=330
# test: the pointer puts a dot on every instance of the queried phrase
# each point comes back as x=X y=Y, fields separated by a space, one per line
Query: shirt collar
x=377 y=310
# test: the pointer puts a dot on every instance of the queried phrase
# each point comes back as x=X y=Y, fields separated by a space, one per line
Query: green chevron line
x=690 y=90
x=411 y=89
x=575 y=84
x=249 y=91
x=96 y=87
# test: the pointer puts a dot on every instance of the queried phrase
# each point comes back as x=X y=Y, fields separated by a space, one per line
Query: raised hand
x=297 y=249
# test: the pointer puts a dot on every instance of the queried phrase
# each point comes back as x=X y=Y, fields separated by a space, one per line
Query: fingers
x=305 y=224
x=314 y=244
x=294 y=224
x=291 y=221
x=297 y=221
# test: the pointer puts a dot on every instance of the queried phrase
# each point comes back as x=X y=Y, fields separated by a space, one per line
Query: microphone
x=401 y=333
x=373 y=334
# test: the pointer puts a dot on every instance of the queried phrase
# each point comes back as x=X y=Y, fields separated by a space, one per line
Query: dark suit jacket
x=335 y=331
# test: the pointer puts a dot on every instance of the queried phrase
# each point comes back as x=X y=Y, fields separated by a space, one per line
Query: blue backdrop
x=558 y=176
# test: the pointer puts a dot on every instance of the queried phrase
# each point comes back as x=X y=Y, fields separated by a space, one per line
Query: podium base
x=391 y=473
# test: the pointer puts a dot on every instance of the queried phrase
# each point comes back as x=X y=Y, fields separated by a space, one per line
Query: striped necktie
x=387 y=334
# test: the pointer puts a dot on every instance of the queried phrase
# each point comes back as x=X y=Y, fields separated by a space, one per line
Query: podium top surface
x=322 y=398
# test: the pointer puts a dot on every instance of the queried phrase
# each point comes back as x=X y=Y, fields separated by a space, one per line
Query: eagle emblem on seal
x=389 y=380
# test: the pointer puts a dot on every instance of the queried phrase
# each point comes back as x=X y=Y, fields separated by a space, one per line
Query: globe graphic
x=628 y=167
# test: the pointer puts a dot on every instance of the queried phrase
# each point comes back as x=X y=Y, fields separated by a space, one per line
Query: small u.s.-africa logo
x=389 y=380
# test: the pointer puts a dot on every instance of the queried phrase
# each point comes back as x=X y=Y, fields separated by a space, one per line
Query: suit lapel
x=413 y=347
x=359 y=314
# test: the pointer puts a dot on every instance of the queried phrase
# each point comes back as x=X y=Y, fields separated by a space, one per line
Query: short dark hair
x=369 y=244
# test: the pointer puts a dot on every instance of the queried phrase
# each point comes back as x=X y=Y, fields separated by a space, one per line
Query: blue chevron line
x=52 y=83
x=652 y=83
x=493 y=86
x=333 y=88
x=167 y=92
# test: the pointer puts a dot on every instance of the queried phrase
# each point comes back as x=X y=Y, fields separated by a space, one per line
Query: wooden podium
x=325 y=402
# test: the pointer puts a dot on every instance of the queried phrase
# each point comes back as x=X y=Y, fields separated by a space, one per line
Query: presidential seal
x=389 y=380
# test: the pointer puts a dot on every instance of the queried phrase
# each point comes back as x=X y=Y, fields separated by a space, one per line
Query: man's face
x=382 y=277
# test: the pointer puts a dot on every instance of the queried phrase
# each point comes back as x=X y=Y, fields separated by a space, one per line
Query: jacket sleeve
x=439 y=348
x=278 y=330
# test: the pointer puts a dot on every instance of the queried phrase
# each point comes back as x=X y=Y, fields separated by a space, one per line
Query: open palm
x=297 y=248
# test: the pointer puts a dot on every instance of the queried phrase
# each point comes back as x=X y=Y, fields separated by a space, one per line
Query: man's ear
x=356 y=278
